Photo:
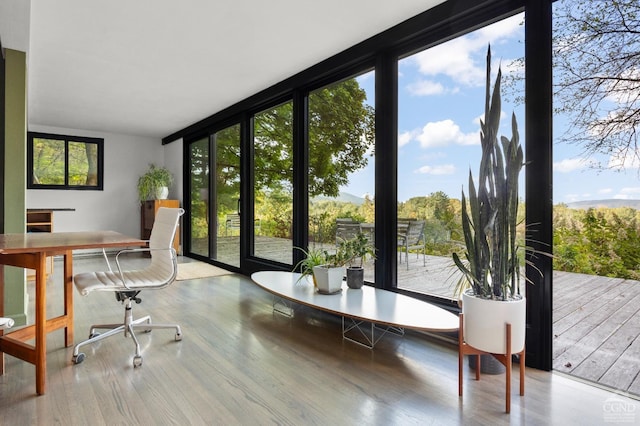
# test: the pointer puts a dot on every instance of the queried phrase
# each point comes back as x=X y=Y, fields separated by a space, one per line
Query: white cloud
x=443 y=169
x=445 y=132
x=462 y=59
x=628 y=193
x=406 y=137
x=605 y=191
x=425 y=88
x=569 y=165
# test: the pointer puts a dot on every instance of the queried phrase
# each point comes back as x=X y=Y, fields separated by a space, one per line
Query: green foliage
x=489 y=221
x=357 y=249
x=313 y=257
x=155 y=178
x=348 y=252
x=50 y=155
x=604 y=242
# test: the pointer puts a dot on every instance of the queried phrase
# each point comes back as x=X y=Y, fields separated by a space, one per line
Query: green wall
x=15 y=295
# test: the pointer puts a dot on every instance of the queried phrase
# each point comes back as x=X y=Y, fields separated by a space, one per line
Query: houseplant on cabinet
x=491 y=266
x=154 y=184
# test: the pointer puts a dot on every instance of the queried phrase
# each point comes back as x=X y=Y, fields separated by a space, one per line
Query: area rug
x=193 y=270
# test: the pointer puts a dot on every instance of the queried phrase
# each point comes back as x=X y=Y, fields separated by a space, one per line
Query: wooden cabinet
x=148 y=216
x=40 y=220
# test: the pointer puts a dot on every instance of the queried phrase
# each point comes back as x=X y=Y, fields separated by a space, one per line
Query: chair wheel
x=77 y=359
x=178 y=337
x=137 y=361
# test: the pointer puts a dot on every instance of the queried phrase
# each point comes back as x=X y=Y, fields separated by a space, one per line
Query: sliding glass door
x=273 y=184
x=215 y=200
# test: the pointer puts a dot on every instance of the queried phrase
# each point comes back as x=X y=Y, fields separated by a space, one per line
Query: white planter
x=162 y=193
x=485 y=323
x=328 y=280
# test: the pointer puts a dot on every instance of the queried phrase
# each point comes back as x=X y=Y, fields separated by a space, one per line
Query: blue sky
x=441 y=98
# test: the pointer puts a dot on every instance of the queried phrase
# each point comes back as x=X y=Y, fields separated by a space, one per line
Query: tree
x=597 y=77
x=341 y=133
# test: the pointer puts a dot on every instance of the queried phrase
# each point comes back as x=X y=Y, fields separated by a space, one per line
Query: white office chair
x=160 y=272
x=6 y=323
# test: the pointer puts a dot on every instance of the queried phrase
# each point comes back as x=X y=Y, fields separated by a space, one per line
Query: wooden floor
x=596 y=320
x=239 y=363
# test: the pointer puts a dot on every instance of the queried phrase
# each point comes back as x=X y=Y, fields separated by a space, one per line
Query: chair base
x=128 y=328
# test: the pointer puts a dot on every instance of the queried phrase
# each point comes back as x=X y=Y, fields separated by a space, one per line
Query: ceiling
x=153 y=67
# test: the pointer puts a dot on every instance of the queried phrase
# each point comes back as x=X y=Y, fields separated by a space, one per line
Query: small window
x=64 y=162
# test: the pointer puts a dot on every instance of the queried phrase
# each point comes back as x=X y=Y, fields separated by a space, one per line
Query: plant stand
x=505 y=359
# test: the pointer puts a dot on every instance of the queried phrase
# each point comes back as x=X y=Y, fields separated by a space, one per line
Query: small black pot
x=355 y=277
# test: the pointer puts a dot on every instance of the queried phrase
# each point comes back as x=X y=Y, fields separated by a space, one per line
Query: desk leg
x=41 y=322
x=68 y=298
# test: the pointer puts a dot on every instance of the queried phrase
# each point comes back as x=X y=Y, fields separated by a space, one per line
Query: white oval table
x=393 y=311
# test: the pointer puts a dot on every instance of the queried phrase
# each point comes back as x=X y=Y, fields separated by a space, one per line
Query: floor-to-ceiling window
x=199 y=192
x=214 y=230
x=341 y=164
x=596 y=213
x=273 y=183
x=441 y=95
x=277 y=129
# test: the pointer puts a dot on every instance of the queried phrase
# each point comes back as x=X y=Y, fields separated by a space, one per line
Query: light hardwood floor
x=239 y=363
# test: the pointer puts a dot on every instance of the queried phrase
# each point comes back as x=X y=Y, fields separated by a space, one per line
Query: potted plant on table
x=329 y=276
x=313 y=257
x=357 y=251
x=154 y=184
x=328 y=269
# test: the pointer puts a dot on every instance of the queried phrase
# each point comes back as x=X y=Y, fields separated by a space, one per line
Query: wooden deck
x=596 y=320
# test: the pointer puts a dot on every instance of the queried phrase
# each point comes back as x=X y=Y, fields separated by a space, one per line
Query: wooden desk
x=30 y=251
x=369 y=304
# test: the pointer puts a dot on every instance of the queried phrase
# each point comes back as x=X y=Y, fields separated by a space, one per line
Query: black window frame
x=66 y=139
x=445 y=21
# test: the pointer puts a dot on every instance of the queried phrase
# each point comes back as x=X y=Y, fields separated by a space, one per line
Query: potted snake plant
x=490 y=265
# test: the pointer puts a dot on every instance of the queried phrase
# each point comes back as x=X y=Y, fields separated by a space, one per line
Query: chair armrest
x=174 y=259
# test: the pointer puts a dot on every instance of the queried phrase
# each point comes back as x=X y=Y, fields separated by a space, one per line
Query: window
x=64 y=162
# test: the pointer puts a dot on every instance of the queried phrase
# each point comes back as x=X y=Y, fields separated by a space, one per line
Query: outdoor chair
x=127 y=284
x=232 y=222
x=346 y=229
x=411 y=237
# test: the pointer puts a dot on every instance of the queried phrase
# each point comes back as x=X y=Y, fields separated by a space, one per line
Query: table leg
x=41 y=322
x=68 y=298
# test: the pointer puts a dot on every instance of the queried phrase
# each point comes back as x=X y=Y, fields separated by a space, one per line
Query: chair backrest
x=346 y=231
x=415 y=232
x=162 y=233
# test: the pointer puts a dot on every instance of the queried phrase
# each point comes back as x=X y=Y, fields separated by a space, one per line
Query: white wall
x=117 y=207
x=173 y=162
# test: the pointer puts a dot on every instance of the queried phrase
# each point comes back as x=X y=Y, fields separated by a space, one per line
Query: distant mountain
x=612 y=203
x=343 y=197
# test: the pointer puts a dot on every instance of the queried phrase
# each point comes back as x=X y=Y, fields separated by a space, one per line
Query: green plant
x=357 y=249
x=155 y=178
x=313 y=257
x=492 y=268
